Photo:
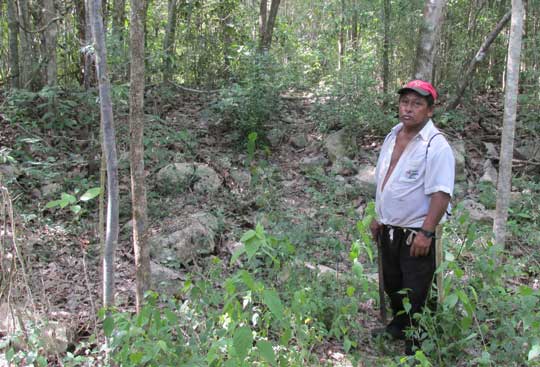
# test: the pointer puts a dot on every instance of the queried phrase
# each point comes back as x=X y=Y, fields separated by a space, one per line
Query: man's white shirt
x=404 y=202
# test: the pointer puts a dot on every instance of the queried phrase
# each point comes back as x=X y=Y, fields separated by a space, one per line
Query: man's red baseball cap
x=421 y=87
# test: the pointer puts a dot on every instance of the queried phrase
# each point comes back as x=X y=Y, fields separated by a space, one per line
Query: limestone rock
x=458 y=147
x=365 y=180
x=165 y=279
x=51 y=190
x=299 y=141
x=308 y=163
x=344 y=166
x=181 y=176
x=196 y=237
x=490 y=173
x=338 y=145
x=477 y=212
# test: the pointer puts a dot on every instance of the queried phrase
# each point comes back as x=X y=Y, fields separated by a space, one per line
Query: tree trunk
x=386 y=46
x=168 y=41
x=109 y=145
x=263 y=15
x=427 y=45
x=466 y=78
x=89 y=71
x=25 y=40
x=13 y=27
x=136 y=119
x=118 y=20
x=268 y=23
x=51 y=32
x=354 y=26
x=341 y=38
x=509 y=121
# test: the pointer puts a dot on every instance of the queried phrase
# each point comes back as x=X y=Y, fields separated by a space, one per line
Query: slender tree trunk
x=509 y=121
x=263 y=15
x=89 y=71
x=266 y=36
x=51 y=32
x=386 y=46
x=341 y=39
x=136 y=119
x=467 y=76
x=168 y=41
x=354 y=26
x=25 y=40
x=13 y=35
x=427 y=45
x=109 y=144
x=118 y=20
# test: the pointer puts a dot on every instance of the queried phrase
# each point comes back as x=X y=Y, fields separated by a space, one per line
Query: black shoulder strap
x=427 y=148
x=429 y=142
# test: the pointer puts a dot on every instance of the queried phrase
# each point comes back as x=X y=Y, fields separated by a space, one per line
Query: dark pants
x=404 y=272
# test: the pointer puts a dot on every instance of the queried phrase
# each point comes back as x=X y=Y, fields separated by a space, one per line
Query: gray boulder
x=308 y=163
x=299 y=141
x=338 y=145
x=458 y=147
x=490 y=173
x=51 y=190
x=530 y=150
x=478 y=212
x=181 y=176
x=194 y=238
x=365 y=180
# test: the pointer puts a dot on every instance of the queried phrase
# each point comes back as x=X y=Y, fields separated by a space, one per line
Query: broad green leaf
x=69 y=198
x=76 y=209
x=90 y=194
x=108 y=326
x=525 y=291
x=347 y=345
x=242 y=341
x=248 y=235
x=136 y=358
x=252 y=246
x=266 y=351
x=52 y=204
x=271 y=299
x=534 y=352
x=451 y=300
x=237 y=253
x=248 y=280
x=466 y=322
x=407 y=305
x=350 y=291
x=357 y=269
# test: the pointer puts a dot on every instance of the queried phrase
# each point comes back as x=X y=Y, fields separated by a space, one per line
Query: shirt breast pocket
x=412 y=172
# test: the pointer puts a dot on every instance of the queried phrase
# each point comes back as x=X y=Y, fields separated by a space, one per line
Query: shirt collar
x=425 y=133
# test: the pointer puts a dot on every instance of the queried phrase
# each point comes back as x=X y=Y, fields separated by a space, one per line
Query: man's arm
x=437 y=207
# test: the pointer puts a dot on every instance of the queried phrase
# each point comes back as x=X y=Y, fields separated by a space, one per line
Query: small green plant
x=71 y=201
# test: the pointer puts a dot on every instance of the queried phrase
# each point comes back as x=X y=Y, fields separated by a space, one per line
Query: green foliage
x=485 y=318
x=352 y=101
x=68 y=200
x=250 y=105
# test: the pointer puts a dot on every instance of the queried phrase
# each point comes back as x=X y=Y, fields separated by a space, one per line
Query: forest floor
x=63 y=266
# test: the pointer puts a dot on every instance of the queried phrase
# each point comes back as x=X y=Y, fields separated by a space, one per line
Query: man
x=415 y=180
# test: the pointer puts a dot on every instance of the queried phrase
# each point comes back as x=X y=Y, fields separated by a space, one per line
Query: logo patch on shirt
x=411 y=174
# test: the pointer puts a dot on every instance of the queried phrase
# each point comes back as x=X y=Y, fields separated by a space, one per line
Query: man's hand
x=375 y=228
x=420 y=245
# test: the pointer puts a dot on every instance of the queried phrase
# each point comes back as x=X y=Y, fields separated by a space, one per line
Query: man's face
x=414 y=111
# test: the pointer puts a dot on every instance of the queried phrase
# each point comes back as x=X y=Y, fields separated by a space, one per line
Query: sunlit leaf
x=90 y=194
x=242 y=341
x=266 y=351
